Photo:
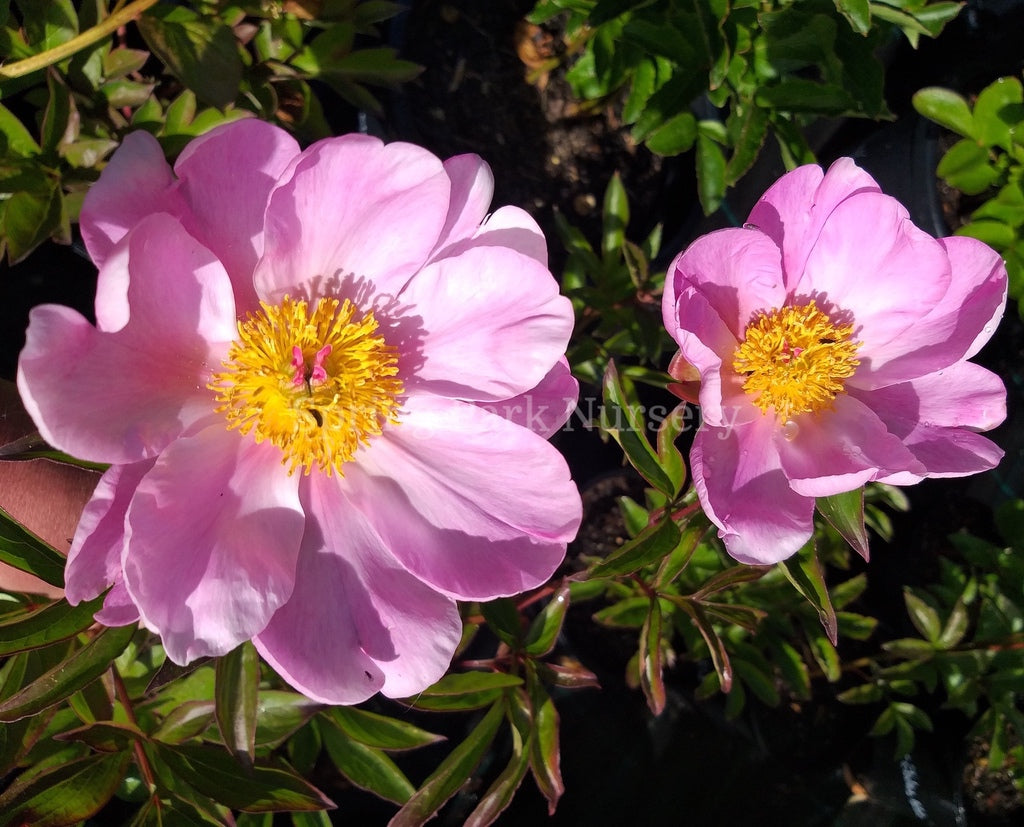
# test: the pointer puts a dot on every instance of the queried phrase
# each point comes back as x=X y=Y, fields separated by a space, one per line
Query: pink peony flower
x=323 y=381
x=831 y=337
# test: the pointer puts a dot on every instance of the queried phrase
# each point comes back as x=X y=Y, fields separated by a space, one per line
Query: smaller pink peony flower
x=324 y=382
x=831 y=337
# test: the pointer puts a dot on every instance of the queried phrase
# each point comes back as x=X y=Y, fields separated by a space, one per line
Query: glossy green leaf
x=845 y=513
x=380 y=731
x=615 y=217
x=17 y=140
x=367 y=767
x=675 y=136
x=65 y=794
x=211 y=771
x=649 y=546
x=727 y=578
x=186 y=721
x=622 y=420
x=279 y=714
x=805 y=572
x=202 y=53
x=679 y=558
x=104 y=736
x=628 y=613
x=236 y=696
x=503 y=617
x=747 y=128
x=858 y=12
x=999 y=113
x=716 y=646
x=924 y=617
x=501 y=792
x=465 y=690
x=81 y=668
x=544 y=747
x=56 y=115
x=547 y=625
x=968 y=167
x=710 y=174
x=451 y=773
x=29 y=219
x=946 y=108
x=56 y=621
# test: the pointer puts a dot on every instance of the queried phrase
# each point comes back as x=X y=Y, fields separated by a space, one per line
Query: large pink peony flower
x=323 y=381
x=831 y=337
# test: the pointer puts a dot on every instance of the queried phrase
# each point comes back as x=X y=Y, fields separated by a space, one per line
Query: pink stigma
x=309 y=375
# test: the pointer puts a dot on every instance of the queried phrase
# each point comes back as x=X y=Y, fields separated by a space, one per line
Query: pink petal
x=508 y=227
x=118 y=608
x=708 y=345
x=472 y=185
x=840 y=450
x=94 y=562
x=475 y=506
x=356 y=209
x=357 y=622
x=214 y=532
x=744 y=492
x=122 y=396
x=955 y=328
x=226 y=177
x=871 y=262
x=135 y=183
x=738 y=271
x=486 y=336
x=794 y=209
x=547 y=407
x=951 y=452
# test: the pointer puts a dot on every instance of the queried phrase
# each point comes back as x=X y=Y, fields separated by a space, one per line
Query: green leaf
x=236 y=697
x=664 y=40
x=858 y=12
x=104 y=736
x=55 y=621
x=29 y=219
x=499 y=795
x=615 y=217
x=999 y=112
x=622 y=419
x=716 y=646
x=262 y=789
x=65 y=794
x=380 y=731
x=368 y=768
x=547 y=625
x=200 y=52
x=545 y=750
x=451 y=773
x=650 y=546
x=805 y=572
x=866 y=693
x=967 y=167
x=628 y=613
x=503 y=617
x=185 y=721
x=845 y=513
x=946 y=108
x=465 y=690
x=17 y=139
x=80 y=669
x=675 y=136
x=923 y=616
x=652 y=681
x=56 y=115
x=747 y=128
x=710 y=174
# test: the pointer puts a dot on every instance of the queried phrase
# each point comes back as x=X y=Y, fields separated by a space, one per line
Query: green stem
x=101 y=30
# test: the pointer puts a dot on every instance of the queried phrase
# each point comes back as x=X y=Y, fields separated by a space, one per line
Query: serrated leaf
x=80 y=669
x=235 y=698
x=368 y=768
x=805 y=572
x=65 y=794
x=451 y=773
x=380 y=731
x=56 y=621
x=845 y=513
x=214 y=773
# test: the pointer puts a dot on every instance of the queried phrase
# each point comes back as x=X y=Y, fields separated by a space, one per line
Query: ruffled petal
x=135 y=183
x=94 y=562
x=955 y=328
x=352 y=211
x=796 y=207
x=213 y=537
x=122 y=396
x=475 y=506
x=472 y=186
x=738 y=271
x=226 y=177
x=870 y=262
x=357 y=622
x=744 y=491
x=485 y=336
x=840 y=450
x=545 y=408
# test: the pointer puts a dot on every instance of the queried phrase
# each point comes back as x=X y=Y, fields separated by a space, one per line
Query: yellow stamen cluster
x=795 y=360
x=316 y=382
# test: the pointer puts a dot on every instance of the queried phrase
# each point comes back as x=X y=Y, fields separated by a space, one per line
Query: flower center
x=795 y=360
x=316 y=382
